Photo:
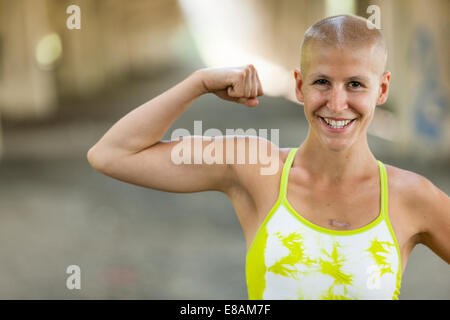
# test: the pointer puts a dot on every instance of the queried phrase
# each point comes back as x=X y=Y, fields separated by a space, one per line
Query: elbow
x=102 y=158
x=95 y=159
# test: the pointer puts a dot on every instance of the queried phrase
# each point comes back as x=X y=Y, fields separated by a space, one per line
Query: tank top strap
x=384 y=189
x=285 y=173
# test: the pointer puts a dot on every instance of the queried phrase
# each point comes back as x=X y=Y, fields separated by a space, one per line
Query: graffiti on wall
x=430 y=101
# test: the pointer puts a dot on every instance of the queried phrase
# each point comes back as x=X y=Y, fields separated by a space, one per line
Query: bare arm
x=132 y=150
x=432 y=208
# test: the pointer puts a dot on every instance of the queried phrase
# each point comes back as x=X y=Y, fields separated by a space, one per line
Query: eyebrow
x=358 y=78
x=353 y=78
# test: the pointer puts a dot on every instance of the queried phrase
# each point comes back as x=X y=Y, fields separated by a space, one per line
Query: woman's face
x=340 y=88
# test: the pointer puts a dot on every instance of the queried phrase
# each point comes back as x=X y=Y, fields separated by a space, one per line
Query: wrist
x=197 y=77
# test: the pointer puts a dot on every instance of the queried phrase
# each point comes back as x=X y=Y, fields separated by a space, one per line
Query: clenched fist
x=238 y=84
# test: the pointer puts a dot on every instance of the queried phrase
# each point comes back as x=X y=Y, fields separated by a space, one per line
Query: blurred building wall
x=43 y=61
x=116 y=37
x=417 y=36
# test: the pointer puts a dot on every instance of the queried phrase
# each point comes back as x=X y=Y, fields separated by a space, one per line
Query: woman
x=345 y=224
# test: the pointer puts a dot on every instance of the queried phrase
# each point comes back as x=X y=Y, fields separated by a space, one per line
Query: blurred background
x=61 y=89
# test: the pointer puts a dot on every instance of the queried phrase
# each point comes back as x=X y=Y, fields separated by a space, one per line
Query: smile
x=336 y=125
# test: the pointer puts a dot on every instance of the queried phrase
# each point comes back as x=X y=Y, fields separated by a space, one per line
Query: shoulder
x=256 y=185
x=414 y=190
x=259 y=171
x=425 y=205
x=256 y=156
x=406 y=182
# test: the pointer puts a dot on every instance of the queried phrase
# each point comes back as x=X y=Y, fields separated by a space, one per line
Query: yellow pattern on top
x=378 y=253
x=286 y=265
x=334 y=267
x=331 y=265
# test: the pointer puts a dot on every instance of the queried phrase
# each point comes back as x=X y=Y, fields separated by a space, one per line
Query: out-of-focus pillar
x=27 y=90
x=81 y=71
x=150 y=27
x=116 y=58
x=116 y=38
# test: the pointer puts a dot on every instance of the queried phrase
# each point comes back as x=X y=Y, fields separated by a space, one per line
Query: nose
x=338 y=99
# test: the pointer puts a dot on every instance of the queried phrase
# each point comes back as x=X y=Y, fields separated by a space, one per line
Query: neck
x=330 y=166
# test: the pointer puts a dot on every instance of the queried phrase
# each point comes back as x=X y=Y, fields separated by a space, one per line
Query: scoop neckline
x=321 y=229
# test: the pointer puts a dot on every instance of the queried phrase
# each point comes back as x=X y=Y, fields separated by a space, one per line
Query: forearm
x=147 y=124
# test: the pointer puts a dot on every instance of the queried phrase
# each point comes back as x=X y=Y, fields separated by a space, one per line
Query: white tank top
x=292 y=258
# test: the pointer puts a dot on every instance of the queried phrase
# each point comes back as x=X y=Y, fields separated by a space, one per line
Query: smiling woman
x=333 y=222
x=341 y=80
x=301 y=251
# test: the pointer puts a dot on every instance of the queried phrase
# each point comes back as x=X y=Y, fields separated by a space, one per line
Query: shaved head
x=343 y=31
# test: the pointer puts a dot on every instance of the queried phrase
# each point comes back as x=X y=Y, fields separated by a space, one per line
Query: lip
x=338 y=130
x=337 y=119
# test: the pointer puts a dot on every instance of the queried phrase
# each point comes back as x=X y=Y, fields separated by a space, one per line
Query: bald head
x=343 y=31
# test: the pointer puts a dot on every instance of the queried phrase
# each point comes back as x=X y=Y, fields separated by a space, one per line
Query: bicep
x=174 y=166
x=190 y=164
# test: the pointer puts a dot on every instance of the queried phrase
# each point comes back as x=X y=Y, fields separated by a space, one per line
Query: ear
x=384 y=88
x=298 y=85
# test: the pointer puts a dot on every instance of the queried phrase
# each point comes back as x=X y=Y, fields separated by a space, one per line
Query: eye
x=355 y=84
x=321 y=82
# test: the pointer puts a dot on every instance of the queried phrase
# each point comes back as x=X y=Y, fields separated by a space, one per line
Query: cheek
x=364 y=104
x=314 y=99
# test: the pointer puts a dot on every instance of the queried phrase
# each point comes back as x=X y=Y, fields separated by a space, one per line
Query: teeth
x=337 y=124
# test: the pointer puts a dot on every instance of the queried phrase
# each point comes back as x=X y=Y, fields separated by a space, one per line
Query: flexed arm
x=132 y=150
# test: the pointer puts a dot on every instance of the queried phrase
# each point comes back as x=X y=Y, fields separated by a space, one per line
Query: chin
x=337 y=146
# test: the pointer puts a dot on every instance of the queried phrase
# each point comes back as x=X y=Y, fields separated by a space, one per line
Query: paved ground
x=137 y=243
